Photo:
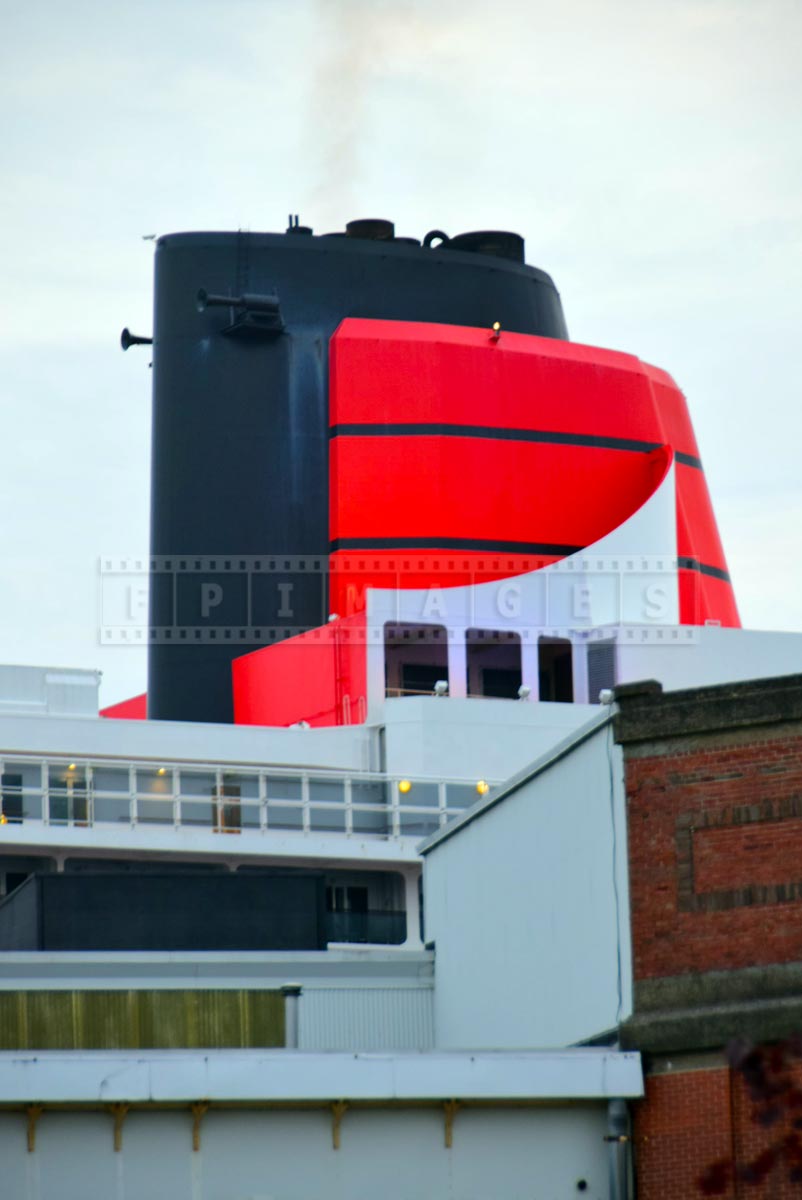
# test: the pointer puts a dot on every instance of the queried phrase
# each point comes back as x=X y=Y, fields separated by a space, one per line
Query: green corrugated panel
x=166 y=1020
x=51 y=1020
x=265 y=1018
x=133 y=1020
x=218 y=1020
x=10 y=1036
x=107 y=1020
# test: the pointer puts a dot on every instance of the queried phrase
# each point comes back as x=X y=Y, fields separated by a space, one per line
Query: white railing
x=57 y=791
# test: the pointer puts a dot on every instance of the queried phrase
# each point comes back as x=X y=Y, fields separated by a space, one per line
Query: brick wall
x=680 y=1127
x=689 y=1120
x=714 y=810
x=715 y=834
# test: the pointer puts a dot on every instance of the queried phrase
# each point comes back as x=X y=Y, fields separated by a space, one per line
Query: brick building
x=714 y=814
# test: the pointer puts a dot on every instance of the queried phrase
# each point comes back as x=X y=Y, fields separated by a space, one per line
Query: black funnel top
x=240 y=454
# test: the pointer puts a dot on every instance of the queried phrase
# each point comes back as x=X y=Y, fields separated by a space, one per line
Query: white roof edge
x=346 y=957
x=538 y=767
x=51 y=1077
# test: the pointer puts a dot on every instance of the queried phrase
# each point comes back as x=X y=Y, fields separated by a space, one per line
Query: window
x=555 y=670
x=493 y=663
x=67 y=794
x=21 y=792
x=415 y=658
x=111 y=794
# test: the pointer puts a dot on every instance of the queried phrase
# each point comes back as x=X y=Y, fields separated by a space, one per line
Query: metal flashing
x=292 y=1076
x=538 y=767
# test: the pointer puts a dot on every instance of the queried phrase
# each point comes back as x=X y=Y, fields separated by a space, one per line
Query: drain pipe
x=292 y=1004
x=618 y=1143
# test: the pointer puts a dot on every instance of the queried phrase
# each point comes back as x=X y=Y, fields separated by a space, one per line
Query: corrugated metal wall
x=140 y=1019
x=366 y=1019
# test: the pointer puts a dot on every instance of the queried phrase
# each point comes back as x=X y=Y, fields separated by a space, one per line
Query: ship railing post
x=262 y=801
x=176 y=790
x=306 y=814
x=132 y=798
x=395 y=809
x=349 y=806
x=219 y=817
x=45 y=794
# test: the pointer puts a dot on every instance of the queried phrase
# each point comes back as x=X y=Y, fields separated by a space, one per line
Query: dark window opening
x=501 y=682
x=415 y=659
x=420 y=677
x=493 y=659
x=555 y=670
x=367 y=911
x=16 y=868
x=14 y=879
x=346 y=899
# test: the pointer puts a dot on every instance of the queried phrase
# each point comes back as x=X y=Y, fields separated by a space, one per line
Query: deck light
x=71 y=767
x=404 y=786
x=162 y=771
x=482 y=787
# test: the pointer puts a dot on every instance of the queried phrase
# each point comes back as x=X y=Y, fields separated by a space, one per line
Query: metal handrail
x=75 y=800
x=277 y=770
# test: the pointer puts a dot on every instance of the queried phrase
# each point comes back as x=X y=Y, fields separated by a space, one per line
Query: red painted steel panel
x=135 y=709
x=671 y=411
x=705 y=599
x=400 y=485
x=480 y=489
x=318 y=677
x=394 y=371
x=697 y=532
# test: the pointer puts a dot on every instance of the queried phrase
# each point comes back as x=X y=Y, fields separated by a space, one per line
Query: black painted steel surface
x=240 y=427
x=165 y=911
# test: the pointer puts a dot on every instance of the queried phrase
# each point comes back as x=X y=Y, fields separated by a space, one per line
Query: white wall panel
x=473 y=738
x=704 y=655
x=528 y=908
x=533 y=1154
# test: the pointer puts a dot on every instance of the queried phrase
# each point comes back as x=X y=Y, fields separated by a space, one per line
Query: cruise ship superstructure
x=406 y=540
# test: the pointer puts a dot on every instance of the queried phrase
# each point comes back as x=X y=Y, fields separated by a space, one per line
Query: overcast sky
x=650 y=154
